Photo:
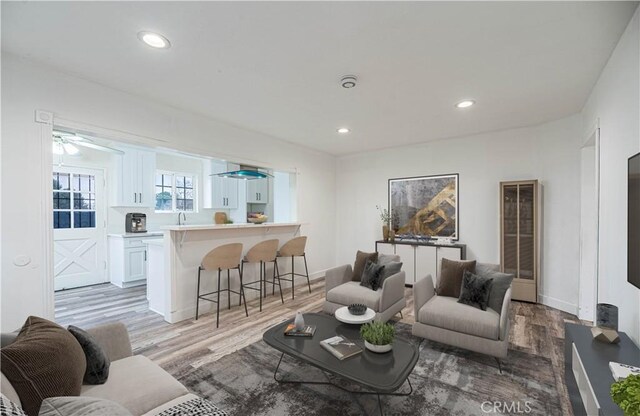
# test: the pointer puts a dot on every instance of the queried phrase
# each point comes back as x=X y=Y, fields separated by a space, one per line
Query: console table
x=587 y=374
x=420 y=258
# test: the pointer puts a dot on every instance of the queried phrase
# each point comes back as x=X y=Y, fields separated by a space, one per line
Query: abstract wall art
x=425 y=205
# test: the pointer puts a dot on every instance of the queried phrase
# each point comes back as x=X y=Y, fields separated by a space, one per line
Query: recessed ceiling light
x=343 y=130
x=465 y=104
x=154 y=40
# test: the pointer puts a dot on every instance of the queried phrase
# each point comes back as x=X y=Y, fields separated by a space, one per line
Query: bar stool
x=263 y=253
x=226 y=257
x=294 y=248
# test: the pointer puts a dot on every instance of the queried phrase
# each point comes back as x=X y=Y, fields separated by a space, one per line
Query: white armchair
x=341 y=291
x=443 y=319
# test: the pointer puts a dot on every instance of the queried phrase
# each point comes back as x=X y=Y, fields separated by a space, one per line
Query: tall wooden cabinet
x=519 y=236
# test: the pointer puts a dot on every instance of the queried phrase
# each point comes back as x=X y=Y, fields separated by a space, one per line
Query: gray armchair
x=443 y=319
x=341 y=291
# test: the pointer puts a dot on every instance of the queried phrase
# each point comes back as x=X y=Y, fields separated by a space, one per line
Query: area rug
x=446 y=381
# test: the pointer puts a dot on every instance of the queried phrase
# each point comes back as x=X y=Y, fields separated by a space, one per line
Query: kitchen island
x=184 y=246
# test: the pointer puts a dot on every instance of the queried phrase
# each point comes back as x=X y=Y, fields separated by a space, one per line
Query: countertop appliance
x=136 y=223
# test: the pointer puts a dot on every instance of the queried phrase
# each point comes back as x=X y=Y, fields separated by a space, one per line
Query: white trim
x=46 y=207
x=558 y=304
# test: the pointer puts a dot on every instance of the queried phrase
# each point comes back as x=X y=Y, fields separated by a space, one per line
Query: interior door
x=79 y=235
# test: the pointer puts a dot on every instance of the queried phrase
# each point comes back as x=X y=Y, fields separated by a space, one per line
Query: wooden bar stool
x=263 y=253
x=226 y=257
x=294 y=248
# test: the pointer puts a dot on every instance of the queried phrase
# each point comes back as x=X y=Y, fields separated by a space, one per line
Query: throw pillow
x=9 y=408
x=475 y=290
x=98 y=363
x=390 y=269
x=81 y=406
x=361 y=261
x=501 y=283
x=44 y=361
x=196 y=406
x=371 y=275
x=451 y=272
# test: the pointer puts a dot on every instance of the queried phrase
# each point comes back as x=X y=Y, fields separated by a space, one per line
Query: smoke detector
x=348 y=81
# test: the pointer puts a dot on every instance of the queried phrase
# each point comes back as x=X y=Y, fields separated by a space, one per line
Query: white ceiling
x=275 y=67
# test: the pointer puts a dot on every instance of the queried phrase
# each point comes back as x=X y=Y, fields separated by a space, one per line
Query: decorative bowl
x=257 y=220
x=357 y=309
x=377 y=348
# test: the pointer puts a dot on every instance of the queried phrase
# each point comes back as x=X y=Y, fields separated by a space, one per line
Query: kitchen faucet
x=182 y=218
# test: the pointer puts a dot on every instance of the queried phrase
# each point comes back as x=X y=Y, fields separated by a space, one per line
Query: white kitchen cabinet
x=128 y=259
x=258 y=191
x=133 y=179
x=220 y=192
x=419 y=260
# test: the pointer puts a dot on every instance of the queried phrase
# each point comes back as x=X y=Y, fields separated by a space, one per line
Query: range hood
x=245 y=172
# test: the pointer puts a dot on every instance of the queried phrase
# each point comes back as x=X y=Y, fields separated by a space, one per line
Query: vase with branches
x=386 y=218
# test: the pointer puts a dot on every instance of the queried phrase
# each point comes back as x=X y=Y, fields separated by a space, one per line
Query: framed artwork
x=425 y=205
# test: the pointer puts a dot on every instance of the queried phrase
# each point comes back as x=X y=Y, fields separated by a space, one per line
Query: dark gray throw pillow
x=390 y=268
x=475 y=290
x=371 y=275
x=501 y=283
x=97 y=361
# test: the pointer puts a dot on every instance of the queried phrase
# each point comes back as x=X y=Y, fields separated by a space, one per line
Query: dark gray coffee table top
x=384 y=373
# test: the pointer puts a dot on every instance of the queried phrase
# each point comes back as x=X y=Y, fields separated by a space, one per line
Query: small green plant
x=228 y=221
x=377 y=333
x=384 y=215
x=626 y=394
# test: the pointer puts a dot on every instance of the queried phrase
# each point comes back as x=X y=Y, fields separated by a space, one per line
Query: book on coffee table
x=307 y=331
x=341 y=347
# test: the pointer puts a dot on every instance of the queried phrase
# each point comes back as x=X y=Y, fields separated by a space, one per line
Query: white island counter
x=184 y=246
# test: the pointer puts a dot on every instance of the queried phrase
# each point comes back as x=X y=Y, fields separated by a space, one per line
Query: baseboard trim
x=558 y=304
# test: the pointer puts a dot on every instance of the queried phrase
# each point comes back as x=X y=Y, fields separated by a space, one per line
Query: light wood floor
x=536 y=329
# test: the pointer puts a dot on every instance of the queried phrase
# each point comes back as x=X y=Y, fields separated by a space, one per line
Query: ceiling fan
x=64 y=142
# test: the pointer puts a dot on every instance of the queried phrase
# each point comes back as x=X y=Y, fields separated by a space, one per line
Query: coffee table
x=343 y=315
x=381 y=374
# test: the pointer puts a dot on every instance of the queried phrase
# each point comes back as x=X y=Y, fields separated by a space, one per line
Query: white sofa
x=135 y=382
x=341 y=291
x=443 y=319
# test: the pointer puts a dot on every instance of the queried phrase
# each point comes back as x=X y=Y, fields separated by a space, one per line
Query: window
x=175 y=192
x=74 y=200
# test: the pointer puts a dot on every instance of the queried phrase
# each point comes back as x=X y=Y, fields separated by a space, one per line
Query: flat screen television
x=633 y=223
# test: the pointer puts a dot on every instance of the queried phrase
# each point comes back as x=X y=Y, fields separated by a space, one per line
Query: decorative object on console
x=519 y=236
x=620 y=371
x=475 y=290
x=299 y=321
x=451 y=273
x=361 y=262
x=386 y=221
x=357 y=309
x=426 y=205
x=606 y=329
x=378 y=336
x=371 y=275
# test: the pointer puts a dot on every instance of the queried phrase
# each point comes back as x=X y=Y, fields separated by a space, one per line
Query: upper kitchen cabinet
x=132 y=178
x=219 y=192
x=258 y=191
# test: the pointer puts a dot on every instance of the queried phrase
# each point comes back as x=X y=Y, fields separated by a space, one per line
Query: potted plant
x=626 y=394
x=386 y=222
x=377 y=336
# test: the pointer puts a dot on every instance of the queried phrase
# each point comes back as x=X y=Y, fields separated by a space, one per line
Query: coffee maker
x=136 y=223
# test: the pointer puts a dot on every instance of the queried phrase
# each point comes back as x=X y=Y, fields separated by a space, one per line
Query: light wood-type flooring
x=536 y=329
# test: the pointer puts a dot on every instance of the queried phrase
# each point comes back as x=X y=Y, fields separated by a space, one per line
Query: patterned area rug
x=446 y=381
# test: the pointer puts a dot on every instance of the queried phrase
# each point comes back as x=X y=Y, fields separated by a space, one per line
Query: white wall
x=27 y=87
x=615 y=102
x=550 y=153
